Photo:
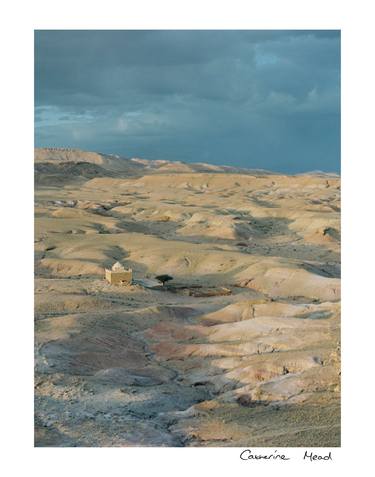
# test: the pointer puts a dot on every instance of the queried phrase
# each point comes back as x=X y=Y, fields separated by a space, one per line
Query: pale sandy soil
x=242 y=348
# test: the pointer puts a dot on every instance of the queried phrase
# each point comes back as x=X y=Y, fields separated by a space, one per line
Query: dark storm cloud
x=265 y=99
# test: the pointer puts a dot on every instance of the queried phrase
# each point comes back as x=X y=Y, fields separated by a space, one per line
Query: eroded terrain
x=241 y=348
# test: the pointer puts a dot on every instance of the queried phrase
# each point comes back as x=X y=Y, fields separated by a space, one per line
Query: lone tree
x=164 y=278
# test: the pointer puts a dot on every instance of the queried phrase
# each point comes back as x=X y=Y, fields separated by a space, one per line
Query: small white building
x=119 y=275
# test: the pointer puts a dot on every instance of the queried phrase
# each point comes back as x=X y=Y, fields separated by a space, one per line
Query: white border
x=19 y=20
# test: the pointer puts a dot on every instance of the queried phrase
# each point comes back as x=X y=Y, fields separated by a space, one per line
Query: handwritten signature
x=248 y=454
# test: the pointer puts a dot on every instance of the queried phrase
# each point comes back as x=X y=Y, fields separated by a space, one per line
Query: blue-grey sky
x=258 y=99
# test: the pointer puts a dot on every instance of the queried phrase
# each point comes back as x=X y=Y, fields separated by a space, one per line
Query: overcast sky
x=255 y=99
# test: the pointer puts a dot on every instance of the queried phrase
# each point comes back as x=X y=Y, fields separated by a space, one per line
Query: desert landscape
x=240 y=348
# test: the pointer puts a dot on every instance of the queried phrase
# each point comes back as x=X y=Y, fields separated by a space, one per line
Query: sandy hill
x=133 y=166
x=63 y=155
